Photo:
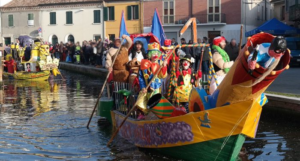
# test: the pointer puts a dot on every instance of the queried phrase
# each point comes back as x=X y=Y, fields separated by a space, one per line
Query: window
x=10 y=20
x=111 y=37
x=54 y=40
x=214 y=11
x=52 y=18
x=7 y=40
x=30 y=16
x=109 y=13
x=133 y=12
x=97 y=37
x=71 y=38
x=69 y=17
x=169 y=12
x=282 y=13
x=97 y=16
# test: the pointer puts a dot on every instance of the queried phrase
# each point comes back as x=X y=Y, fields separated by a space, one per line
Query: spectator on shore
x=206 y=57
x=174 y=43
x=99 y=47
x=232 y=49
x=197 y=52
x=191 y=51
x=87 y=53
x=82 y=55
x=77 y=52
x=72 y=51
x=184 y=49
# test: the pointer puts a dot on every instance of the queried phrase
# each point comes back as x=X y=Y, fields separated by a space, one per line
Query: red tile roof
x=33 y=3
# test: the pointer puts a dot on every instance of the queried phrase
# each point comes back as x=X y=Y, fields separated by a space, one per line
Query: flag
x=157 y=29
x=123 y=29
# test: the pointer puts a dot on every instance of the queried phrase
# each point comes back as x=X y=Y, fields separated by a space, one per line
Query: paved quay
x=84 y=69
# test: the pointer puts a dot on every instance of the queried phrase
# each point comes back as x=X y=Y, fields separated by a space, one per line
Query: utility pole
x=1 y=64
x=265 y=10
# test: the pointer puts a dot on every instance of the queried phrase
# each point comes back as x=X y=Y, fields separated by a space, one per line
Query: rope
x=232 y=130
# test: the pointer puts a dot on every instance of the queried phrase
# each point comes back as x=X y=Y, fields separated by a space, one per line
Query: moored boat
x=37 y=68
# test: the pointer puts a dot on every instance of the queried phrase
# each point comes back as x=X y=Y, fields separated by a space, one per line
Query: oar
x=200 y=63
x=134 y=106
x=104 y=84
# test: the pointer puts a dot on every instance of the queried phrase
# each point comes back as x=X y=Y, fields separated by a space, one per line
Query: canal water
x=47 y=121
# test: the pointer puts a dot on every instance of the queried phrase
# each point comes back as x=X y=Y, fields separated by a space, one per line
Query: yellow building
x=112 y=13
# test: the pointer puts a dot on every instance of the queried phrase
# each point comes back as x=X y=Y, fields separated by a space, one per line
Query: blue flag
x=123 y=29
x=157 y=29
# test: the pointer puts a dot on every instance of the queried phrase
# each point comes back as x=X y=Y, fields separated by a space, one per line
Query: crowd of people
x=92 y=52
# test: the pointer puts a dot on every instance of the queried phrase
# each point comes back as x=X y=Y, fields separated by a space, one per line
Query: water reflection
x=277 y=138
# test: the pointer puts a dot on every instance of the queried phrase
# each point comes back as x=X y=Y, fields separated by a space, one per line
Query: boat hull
x=200 y=133
x=37 y=76
x=208 y=150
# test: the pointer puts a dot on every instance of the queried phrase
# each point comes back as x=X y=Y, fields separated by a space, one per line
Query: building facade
x=133 y=14
x=214 y=17
x=52 y=20
x=73 y=22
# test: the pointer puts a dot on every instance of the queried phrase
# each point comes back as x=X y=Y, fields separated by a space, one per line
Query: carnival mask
x=186 y=65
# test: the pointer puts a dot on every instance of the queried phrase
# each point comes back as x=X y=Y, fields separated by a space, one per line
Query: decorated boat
x=37 y=68
x=217 y=124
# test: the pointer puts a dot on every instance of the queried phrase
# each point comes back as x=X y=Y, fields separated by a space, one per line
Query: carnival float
x=38 y=66
x=216 y=124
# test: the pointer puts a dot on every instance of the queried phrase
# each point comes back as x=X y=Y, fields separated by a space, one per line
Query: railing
x=182 y=19
x=294 y=13
x=122 y=103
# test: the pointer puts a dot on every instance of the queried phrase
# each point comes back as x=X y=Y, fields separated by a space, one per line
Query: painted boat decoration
x=37 y=68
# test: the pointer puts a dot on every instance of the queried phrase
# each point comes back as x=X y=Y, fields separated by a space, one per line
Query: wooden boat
x=37 y=76
x=40 y=58
x=217 y=125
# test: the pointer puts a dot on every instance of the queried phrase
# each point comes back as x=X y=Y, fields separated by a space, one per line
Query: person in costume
x=221 y=62
x=138 y=52
x=186 y=80
x=267 y=55
x=148 y=69
x=118 y=69
x=167 y=48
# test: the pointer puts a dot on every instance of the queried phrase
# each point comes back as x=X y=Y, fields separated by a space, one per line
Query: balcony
x=30 y=22
x=294 y=13
x=182 y=19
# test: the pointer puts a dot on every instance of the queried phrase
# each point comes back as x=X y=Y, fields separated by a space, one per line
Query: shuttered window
x=10 y=20
x=52 y=18
x=30 y=16
x=69 y=17
x=97 y=16
x=109 y=13
x=133 y=12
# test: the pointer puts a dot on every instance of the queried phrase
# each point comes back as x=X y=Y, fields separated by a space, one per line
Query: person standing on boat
x=148 y=69
x=186 y=80
x=118 y=69
x=221 y=62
